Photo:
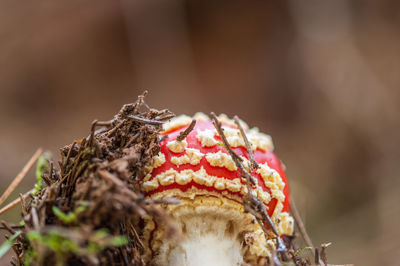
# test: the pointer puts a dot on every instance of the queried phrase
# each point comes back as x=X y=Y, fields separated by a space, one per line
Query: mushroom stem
x=208 y=242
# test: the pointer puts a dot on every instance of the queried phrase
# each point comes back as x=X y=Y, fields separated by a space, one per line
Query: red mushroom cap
x=201 y=163
x=199 y=171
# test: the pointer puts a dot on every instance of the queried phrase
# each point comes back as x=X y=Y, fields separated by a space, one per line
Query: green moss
x=41 y=167
x=63 y=246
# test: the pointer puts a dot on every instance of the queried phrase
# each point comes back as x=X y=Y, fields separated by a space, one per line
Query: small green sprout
x=102 y=239
x=8 y=244
x=41 y=166
x=70 y=217
x=56 y=242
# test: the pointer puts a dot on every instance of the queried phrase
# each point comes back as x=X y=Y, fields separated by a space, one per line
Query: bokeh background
x=322 y=77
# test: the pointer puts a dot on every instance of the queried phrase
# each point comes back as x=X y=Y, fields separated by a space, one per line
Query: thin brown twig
x=186 y=132
x=35 y=218
x=7 y=227
x=97 y=123
x=23 y=206
x=132 y=139
x=316 y=256
x=235 y=157
x=13 y=227
x=15 y=202
x=114 y=129
x=165 y=117
x=137 y=236
x=254 y=202
x=146 y=121
x=46 y=180
x=300 y=224
x=51 y=171
x=323 y=253
x=254 y=164
x=20 y=176
x=140 y=101
x=69 y=154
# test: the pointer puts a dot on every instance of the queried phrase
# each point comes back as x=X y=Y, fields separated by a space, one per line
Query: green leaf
x=70 y=217
x=8 y=244
x=82 y=207
x=118 y=241
x=66 y=218
x=34 y=235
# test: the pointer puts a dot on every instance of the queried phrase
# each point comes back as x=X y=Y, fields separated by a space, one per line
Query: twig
x=186 y=132
x=7 y=227
x=69 y=155
x=20 y=176
x=78 y=158
x=23 y=206
x=254 y=164
x=15 y=202
x=13 y=227
x=112 y=131
x=323 y=253
x=139 y=101
x=300 y=224
x=254 y=202
x=46 y=180
x=166 y=116
x=51 y=171
x=316 y=256
x=146 y=121
x=163 y=138
x=235 y=157
x=132 y=139
x=35 y=219
x=97 y=123
x=136 y=236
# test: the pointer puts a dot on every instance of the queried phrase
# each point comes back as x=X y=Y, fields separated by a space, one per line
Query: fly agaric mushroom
x=194 y=166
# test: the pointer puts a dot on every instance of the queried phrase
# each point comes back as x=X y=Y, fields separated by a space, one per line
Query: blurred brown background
x=321 y=77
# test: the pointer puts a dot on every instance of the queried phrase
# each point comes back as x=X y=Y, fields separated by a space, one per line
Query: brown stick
x=69 y=155
x=13 y=227
x=20 y=176
x=253 y=202
x=22 y=200
x=112 y=131
x=323 y=253
x=145 y=121
x=300 y=224
x=139 y=101
x=254 y=164
x=235 y=157
x=15 y=202
x=186 y=132
x=7 y=227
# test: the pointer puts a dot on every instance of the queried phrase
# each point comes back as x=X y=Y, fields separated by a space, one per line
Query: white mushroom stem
x=214 y=231
x=207 y=242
